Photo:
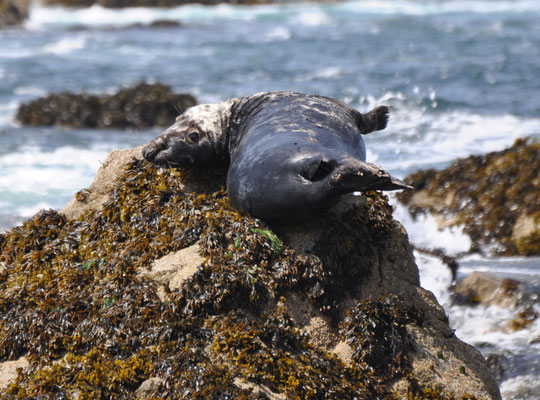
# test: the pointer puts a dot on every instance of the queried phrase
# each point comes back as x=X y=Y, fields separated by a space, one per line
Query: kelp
x=486 y=194
x=73 y=302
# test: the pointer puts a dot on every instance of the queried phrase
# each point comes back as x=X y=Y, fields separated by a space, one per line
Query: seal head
x=195 y=139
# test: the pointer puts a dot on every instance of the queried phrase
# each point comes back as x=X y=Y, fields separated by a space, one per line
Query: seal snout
x=152 y=149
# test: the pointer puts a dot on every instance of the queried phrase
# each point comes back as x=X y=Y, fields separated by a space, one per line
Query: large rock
x=149 y=284
x=496 y=197
x=143 y=106
x=13 y=12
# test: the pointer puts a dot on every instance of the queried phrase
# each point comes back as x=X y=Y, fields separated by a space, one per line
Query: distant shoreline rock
x=149 y=284
x=150 y=3
x=143 y=106
x=496 y=197
x=13 y=12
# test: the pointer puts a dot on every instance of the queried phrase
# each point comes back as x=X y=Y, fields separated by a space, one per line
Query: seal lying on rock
x=290 y=155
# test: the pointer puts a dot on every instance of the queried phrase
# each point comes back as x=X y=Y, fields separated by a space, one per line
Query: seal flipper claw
x=356 y=175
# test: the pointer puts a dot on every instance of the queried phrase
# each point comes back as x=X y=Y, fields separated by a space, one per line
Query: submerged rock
x=496 y=197
x=490 y=290
x=143 y=106
x=13 y=12
x=149 y=284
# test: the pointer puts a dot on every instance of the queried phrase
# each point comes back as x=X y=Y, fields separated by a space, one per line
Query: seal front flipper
x=375 y=120
x=355 y=175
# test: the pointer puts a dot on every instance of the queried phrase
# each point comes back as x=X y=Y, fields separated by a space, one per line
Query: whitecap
x=31 y=91
x=390 y=7
x=313 y=17
x=424 y=232
x=66 y=45
x=523 y=387
x=278 y=34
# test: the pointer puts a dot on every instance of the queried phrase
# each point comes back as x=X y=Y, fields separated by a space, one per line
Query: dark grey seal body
x=290 y=155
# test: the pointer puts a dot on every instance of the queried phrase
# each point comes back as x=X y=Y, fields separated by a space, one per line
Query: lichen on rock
x=330 y=308
x=496 y=197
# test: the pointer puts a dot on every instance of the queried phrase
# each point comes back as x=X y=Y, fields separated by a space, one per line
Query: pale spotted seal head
x=196 y=138
x=289 y=155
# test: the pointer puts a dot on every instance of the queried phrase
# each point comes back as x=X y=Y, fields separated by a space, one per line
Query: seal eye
x=193 y=137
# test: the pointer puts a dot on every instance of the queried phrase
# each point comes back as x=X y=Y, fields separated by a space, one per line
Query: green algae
x=72 y=300
x=487 y=194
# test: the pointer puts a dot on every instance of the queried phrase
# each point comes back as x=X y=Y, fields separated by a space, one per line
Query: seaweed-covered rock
x=496 y=197
x=142 y=106
x=13 y=12
x=150 y=3
x=149 y=285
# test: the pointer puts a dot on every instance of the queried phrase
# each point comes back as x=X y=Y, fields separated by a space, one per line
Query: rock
x=175 y=268
x=330 y=308
x=13 y=12
x=149 y=3
x=495 y=196
x=8 y=370
x=147 y=388
x=144 y=106
x=490 y=290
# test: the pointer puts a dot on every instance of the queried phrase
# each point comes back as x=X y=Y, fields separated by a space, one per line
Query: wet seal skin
x=290 y=155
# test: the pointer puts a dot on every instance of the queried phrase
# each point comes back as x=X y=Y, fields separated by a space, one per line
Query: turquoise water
x=463 y=78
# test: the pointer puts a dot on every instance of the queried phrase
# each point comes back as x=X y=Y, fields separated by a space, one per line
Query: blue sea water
x=463 y=77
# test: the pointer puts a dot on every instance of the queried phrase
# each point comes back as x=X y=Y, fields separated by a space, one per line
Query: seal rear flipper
x=361 y=176
x=374 y=120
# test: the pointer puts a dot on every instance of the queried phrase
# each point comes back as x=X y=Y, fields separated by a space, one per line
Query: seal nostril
x=149 y=151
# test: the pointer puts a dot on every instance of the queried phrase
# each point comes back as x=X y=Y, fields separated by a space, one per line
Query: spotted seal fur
x=290 y=155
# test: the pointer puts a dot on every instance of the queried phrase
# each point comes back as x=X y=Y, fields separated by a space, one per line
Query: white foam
x=7 y=110
x=312 y=17
x=278 y=34
x=425 y=233
x=66 y=45
x=27 y=212
x=521 y=387
x=34 y=171
x=438 y=7
x=33 y=91
x=434 y=276
x=426 y=138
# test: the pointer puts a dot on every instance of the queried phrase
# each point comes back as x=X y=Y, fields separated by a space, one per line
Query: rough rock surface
x=13 y=12
x=143 y=106
x=327 y=309
x=496 y=197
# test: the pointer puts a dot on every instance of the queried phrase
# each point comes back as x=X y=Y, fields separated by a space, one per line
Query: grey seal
x=290 y=155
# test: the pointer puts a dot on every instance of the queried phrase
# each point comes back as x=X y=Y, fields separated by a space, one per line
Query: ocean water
x=462 y=77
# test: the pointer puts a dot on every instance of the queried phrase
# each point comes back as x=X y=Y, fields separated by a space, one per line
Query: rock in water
x=143 y=106
x=328 y=309
x=496 y=197
x=13 y=12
